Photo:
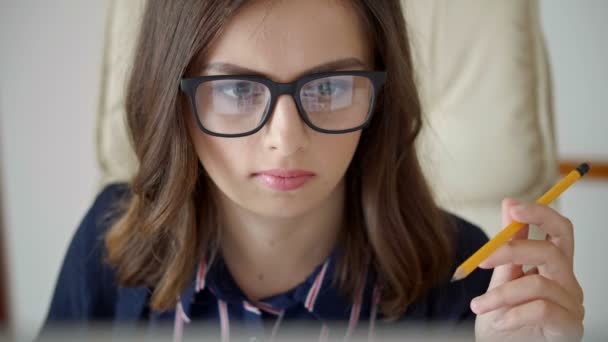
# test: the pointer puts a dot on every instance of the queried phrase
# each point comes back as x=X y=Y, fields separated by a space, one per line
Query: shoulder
x=86 y=287
x=106 y=208
x=450 y=301
x=88 y=240
x=108 y=205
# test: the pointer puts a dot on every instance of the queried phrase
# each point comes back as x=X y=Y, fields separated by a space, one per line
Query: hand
x=546 y=302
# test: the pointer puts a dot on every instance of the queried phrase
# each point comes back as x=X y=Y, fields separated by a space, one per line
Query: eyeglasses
x=236 y=106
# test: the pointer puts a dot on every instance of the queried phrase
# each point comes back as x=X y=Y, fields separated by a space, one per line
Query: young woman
x=278 y=183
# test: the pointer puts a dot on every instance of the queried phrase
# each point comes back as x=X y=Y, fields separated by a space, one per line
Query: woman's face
x=283 y=40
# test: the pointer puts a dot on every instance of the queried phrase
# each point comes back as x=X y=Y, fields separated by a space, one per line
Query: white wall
x=585 y=205
x=578 y=48
x=49 y=74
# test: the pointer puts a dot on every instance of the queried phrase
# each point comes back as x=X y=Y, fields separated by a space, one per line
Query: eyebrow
x=233 y=69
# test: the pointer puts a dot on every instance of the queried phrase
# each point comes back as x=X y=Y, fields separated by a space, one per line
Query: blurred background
x=52 y=79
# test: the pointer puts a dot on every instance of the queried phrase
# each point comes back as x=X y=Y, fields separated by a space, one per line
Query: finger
x=559 y=229
x=549 y=260
x=507 y=204
x=526 y=289
x=505 y=273
x=555 y=321
x=543 y=254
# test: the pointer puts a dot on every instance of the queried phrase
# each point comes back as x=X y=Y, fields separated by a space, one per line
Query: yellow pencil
x=509 y=231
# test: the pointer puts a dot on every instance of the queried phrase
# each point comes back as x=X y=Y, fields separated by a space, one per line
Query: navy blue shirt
x=87 y=292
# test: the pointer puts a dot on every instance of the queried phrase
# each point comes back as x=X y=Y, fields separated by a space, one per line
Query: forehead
x=283 y=38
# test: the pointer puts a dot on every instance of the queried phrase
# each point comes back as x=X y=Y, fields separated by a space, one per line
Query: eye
x=241 y=89
x=327 y=87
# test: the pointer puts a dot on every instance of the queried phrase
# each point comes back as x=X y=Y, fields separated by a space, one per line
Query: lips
x=283 y=179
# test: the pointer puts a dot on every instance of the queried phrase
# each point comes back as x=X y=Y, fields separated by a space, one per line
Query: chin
x=282 y=212
x=290 y=208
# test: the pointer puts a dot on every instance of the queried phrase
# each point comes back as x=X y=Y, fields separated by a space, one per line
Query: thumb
x=508 y=272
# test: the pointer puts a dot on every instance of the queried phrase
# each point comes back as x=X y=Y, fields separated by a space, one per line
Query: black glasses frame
x=377 y=78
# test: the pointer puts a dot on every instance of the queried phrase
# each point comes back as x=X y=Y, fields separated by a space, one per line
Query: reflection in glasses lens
x=231 y=106
x=337 y=102
x=236 y=106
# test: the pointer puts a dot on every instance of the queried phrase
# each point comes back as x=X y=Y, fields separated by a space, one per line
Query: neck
x=269 y=255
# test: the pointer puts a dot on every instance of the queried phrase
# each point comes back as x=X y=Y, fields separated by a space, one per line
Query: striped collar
x=317 y=293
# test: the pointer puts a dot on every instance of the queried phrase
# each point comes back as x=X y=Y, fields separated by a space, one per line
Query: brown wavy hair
x=170 y=220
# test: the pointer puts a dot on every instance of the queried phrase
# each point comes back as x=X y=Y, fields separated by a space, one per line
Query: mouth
x=283 y=179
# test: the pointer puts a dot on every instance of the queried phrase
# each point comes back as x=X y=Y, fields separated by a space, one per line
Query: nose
x=285 y=132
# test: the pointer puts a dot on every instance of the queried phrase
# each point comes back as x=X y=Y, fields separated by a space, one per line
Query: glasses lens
x=231 y=106
x=337 y=102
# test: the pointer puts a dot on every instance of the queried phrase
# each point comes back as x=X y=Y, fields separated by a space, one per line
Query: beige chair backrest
x=483 y=75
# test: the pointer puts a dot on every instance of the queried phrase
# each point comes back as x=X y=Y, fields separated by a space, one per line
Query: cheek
x=222 y=158
x=210 y=150
x=217 y=156
x=338 y=151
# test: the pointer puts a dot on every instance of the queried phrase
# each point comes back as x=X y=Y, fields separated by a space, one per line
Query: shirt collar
x=316 y=293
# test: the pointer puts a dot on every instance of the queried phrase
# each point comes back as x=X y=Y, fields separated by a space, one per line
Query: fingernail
x=476 y=304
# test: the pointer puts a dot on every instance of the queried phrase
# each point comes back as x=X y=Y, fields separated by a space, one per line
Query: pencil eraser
x=583 y=168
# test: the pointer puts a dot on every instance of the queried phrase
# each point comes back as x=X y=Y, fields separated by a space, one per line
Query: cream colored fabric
x=115 y=155
x=482 y=71
x=483 y=77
